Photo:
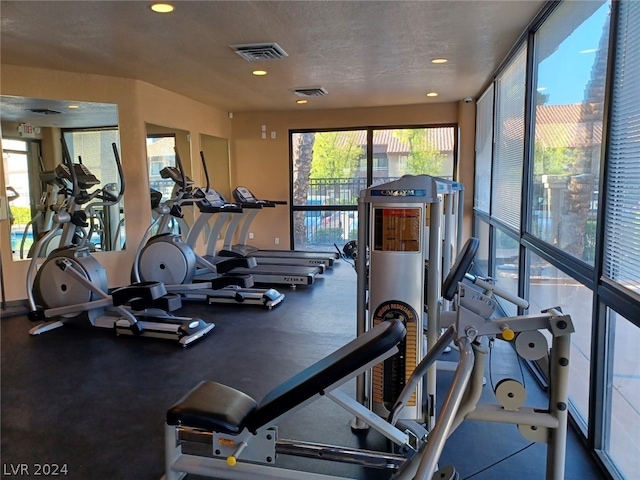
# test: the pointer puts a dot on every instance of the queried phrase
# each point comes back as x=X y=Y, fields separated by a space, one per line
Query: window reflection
x=623 y=443
x=549 y=287
x=568 y=126
x=507 y=260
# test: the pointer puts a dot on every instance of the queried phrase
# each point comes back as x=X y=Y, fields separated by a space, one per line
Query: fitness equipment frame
x=242 y=224
x=50 y=202
x=71 y=281
x=243 y=434
x=165 y=257
x=400 y=229
x=268 y=274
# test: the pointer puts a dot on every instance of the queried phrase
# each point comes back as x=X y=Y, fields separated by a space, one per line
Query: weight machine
x=242 y=434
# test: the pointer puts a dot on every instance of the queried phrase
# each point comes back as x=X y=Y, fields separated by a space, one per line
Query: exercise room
x=313 y=240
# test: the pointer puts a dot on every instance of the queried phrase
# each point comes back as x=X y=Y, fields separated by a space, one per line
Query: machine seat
x=215 y=407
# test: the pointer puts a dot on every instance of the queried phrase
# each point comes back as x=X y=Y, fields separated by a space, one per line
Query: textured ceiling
x=364 y=53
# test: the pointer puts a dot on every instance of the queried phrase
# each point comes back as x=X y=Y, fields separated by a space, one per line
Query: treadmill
x=252 y=206
x=266 y=274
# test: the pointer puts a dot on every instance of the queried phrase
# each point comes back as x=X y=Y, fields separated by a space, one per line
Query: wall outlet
x=250 y=234
x=277 y=241
x=273 y=134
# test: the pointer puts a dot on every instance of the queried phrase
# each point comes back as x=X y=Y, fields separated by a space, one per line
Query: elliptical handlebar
x=183 y=176
x=80 y=194
x=113 y=199
x=206 y=170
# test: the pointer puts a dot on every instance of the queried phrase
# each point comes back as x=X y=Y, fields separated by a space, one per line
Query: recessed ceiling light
x=259 y=73
x=73 y=107
x=162 y=7
x=301 y=102
x=439 y=60
x=432 y=94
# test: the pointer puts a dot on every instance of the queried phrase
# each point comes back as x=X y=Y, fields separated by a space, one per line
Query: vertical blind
x=507 y=174
x=622 y=217
x=484 y=149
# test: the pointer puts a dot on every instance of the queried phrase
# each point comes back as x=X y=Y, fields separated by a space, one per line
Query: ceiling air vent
x=253 y=52
x=44 y=111
x=310 y=92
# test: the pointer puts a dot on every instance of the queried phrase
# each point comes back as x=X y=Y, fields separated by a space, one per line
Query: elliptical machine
x=50 y=201
x=71 y=283
x=166 y=257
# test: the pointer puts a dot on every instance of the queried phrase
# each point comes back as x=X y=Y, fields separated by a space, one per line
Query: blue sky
x=565 y=74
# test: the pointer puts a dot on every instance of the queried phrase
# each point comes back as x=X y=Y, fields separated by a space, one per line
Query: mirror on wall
x=216 y=153
x=162 y=144
x=32 y=129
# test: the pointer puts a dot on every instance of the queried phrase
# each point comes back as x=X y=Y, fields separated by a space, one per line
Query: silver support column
x=558 y=406
x=361 y=303
x=434 y=280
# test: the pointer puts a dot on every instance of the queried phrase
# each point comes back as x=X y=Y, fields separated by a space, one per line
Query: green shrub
x=22 y=215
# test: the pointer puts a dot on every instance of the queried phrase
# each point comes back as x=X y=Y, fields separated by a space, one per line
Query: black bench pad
x=214 y=407
x=324 y=373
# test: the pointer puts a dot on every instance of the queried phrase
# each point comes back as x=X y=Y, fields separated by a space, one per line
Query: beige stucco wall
x=262 y=165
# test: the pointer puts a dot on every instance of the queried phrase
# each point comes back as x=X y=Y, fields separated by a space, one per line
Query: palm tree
x=302 y=160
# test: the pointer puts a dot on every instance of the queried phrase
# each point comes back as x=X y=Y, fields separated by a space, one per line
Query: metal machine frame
x=249 y=455
x=237 y=452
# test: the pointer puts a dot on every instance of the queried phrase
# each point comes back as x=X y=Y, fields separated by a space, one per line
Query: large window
x=484 y=151
x=622 y=444
x=622 y=241
x=506 y=188
x=619 y=441
x=568 y=112
x=330 y=168
x=550 y=287
x=565 y=230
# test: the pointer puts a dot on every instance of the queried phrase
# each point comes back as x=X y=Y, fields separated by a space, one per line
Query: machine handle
x=206 y=170
x=233 y=459
x=181 y=169
x=490 y=287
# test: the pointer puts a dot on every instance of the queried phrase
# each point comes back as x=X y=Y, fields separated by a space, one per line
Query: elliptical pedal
x=169 y=328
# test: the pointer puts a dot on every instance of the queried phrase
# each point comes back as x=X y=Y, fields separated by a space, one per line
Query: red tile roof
x=442 y=138
x=567 y=126
x=163 y=147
